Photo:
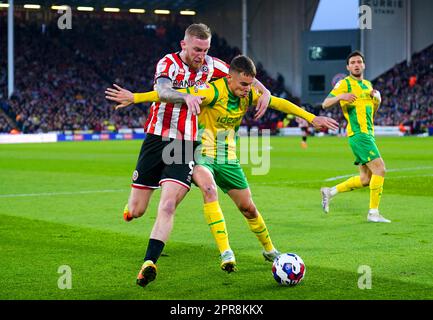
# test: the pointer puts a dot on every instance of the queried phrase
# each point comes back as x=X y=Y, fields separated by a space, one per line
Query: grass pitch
x=61 y=205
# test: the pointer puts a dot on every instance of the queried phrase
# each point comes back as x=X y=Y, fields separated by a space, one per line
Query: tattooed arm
x=167 y=94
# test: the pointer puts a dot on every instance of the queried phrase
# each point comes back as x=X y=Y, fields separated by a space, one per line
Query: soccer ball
x=288 y=269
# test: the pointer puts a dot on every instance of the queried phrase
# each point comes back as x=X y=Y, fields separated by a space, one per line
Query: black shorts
x=163 y=159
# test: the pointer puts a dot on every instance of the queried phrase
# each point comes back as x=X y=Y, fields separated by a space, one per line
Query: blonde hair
x=198 y=30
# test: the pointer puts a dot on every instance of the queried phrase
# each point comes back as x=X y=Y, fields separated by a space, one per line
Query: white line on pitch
x=44 y=194
x=318 y=181
x=388 y=170
x=48 y=194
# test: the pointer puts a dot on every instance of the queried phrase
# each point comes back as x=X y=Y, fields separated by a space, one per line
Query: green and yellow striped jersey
x=360 y=113
x=221 y=115
x=219 y=121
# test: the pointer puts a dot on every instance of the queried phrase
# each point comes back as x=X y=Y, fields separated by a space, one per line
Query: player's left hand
x=119 y=95
x=325 y=122
x=262 y=105
x=193 y=103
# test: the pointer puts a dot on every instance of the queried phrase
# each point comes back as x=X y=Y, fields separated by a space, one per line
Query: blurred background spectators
x=61 y=75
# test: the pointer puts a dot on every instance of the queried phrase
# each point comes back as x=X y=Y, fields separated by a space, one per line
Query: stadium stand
x=407 y=98
x=61 y=76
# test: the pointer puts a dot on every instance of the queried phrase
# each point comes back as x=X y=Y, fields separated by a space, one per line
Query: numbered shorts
x=364 y=148
x=161 y=160
x=228 y=176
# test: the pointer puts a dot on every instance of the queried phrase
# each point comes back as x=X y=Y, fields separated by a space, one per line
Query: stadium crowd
x=61 y=75
x=407 y=98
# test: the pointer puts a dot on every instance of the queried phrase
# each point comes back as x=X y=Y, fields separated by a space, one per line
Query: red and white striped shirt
x=176 y=121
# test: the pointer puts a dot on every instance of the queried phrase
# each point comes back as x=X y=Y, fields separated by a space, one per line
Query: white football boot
x=271 y=255
x=228 y=261
x=326 y=198
x=376 y=217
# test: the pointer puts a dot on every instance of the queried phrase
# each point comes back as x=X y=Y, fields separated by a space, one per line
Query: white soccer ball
x=288 y=269
x=377 y=96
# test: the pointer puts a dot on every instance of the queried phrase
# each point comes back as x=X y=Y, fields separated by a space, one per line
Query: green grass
x=61 y=204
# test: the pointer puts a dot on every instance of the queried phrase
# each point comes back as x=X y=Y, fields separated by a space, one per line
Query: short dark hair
x=355 y=53
x=243 y=64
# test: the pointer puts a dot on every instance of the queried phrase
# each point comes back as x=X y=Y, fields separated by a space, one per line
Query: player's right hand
x=193 y=103
x=119 y=95
x=325 y=123
x=350 y=97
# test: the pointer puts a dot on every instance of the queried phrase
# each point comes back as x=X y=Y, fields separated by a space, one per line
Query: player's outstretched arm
x=120 y=95
x=288 y=107
x=325 y=123
x=205 y=95
x=164 y=92
x=125 y=97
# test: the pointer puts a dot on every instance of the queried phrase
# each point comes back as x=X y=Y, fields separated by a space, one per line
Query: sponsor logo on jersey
x=228 y=120
x=183 y=83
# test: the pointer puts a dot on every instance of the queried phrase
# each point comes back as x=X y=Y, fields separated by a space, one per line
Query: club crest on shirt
x=135 y=175
x=205 y=69
x=161 y=67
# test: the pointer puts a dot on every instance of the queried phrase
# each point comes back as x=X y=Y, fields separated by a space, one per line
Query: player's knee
x=248 y=209
x=168 y=206
x=209 y=192
x=135 y=209
x=365 y=180
x=380 y=171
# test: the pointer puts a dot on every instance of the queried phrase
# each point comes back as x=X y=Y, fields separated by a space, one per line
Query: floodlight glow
x=188 y=13
x=111 y=9
x=59 y=7
x=32 y=6
x=159 y=11
x=85 y=9
x=137 y=10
